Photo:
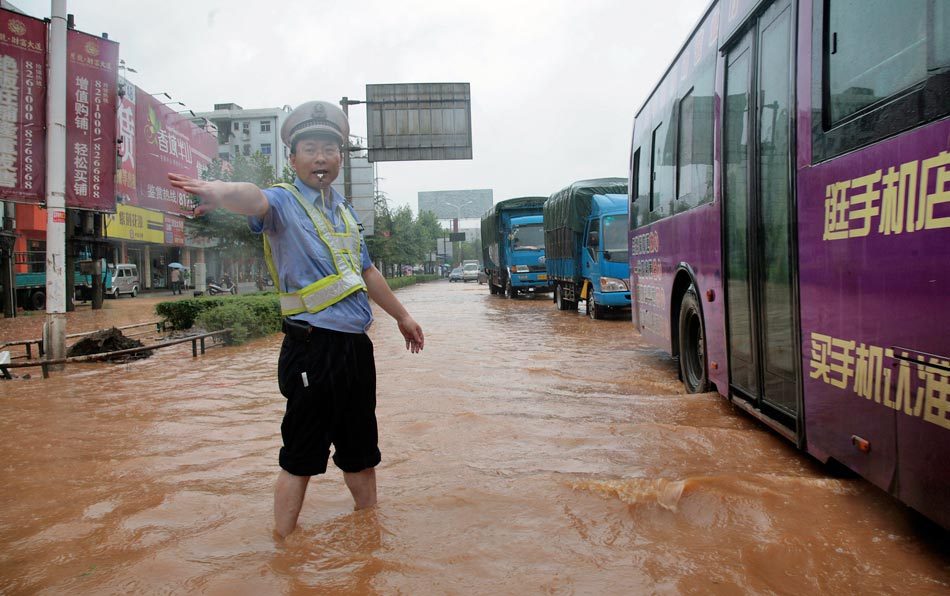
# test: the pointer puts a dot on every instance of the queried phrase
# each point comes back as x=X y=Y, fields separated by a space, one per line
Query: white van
x=122 y=279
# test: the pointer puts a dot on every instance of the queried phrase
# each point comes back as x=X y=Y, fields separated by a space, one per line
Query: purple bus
x=790 y=228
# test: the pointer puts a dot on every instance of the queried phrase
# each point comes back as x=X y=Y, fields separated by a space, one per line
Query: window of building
x=247 y=149
x=246 y=127
x=265 y=148
x=265 y=125
x=224 y=155
x=237 y=125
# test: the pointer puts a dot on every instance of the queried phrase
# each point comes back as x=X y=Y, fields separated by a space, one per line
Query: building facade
x=245 y=132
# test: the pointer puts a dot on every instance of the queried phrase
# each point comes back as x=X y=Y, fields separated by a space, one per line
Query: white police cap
x=315 y=117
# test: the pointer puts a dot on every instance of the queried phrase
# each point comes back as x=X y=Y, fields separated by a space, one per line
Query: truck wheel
x=510 y=291
x=559 y=300
x=38 y=300
x=692 y=340
x=594 y=310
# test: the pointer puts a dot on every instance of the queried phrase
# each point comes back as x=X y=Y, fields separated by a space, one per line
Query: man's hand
x=210 y=200
x=412 y=332
x=241 y=197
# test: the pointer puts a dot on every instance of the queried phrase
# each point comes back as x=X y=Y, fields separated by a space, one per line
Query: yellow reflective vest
x=345 y=249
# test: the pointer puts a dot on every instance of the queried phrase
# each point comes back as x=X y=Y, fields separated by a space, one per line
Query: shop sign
x=136 y=224
x=174 y=230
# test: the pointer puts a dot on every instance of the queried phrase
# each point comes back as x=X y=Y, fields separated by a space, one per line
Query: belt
x=296 y=330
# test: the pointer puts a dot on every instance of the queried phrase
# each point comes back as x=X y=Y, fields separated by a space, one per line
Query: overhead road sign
x=419 y=121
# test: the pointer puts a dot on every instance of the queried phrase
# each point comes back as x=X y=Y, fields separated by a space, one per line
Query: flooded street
x=525 y=450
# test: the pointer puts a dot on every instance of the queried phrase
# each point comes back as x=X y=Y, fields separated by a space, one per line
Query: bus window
x=635 y=175
x=876 y=48
x=661 y=185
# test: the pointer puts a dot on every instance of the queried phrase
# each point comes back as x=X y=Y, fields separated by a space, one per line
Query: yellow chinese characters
x=900 y=200
x=913 y=386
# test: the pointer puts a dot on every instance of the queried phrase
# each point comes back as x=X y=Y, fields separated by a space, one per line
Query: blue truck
x=513 y=247
x=30 y=287
x=585 y=239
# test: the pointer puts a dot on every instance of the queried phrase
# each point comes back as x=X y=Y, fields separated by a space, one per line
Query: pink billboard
x=91 y=72
x=167 y=142
x=125 y=143
x=22 y=108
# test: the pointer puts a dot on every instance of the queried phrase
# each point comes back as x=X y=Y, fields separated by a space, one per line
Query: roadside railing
x=197 y=343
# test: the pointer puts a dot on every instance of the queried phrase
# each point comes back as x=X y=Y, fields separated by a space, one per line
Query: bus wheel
x=38 y=300
x=692 y=342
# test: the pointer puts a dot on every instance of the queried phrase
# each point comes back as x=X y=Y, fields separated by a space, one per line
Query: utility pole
x=54 y=331
x=347 y=177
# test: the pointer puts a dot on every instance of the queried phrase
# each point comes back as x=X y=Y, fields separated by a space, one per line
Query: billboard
x=362 y=191
x=91 y=71
x=461 y=204
x=419 y=121
x=167 y=142
x=125 y=143
x=22 y=108
x=133 y=223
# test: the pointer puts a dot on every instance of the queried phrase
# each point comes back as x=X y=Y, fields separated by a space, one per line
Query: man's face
x=317 y=162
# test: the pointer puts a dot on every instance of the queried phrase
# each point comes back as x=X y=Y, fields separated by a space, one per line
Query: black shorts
x=329 y=380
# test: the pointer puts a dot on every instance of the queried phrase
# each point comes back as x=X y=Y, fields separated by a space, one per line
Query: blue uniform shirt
x=302 y=258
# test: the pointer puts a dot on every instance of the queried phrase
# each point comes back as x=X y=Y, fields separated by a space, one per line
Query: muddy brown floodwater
x=526 y=450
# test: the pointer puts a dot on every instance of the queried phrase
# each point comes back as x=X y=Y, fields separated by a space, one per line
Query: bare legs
x=362 y=486
x=290 y=491
x=288 y=499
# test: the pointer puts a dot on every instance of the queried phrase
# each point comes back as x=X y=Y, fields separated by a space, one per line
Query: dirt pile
x=108 y=340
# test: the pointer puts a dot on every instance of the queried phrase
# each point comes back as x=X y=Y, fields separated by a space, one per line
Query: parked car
x=456 y=274
x=470 y=272
x=123 y=278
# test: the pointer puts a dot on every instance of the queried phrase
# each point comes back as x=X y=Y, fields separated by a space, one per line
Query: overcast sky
x=555 y=84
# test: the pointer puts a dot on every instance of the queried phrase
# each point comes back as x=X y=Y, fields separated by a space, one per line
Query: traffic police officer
x=318 y=258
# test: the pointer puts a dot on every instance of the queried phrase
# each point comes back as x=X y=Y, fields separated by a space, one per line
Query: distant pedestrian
x=318 y=258
x=176 y=281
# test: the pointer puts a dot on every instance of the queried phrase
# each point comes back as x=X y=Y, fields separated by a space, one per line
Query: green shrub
x=400 y=282
x=182 y=313
x=242 y=317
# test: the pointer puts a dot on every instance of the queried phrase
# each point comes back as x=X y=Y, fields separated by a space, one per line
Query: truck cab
x=585 y=235
x=604 y=263
x=513 y=247
x=525 y=256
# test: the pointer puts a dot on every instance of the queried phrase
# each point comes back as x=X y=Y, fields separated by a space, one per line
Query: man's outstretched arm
x=240 y=197
x=383 y=296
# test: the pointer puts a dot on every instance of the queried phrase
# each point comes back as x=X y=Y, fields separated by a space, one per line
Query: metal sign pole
x=55 y=327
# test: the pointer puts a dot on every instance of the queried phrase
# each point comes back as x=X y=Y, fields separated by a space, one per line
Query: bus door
x=758 y=252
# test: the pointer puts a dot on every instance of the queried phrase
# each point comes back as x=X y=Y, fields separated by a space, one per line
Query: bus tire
x=38 y=300
x=692 y=344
